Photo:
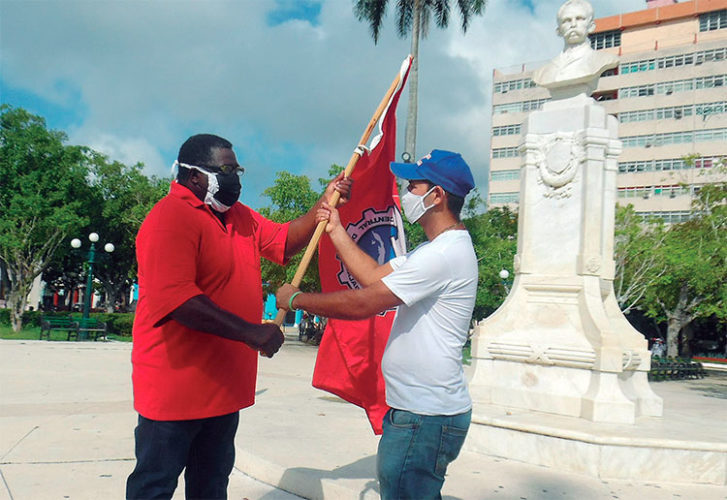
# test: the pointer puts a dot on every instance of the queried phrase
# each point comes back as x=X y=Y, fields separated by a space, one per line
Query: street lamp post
x=109 y=247
x=504 y=275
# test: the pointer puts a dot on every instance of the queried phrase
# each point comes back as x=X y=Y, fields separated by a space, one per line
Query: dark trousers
x=204 y=449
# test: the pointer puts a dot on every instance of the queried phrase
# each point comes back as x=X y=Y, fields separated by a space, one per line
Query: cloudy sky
x=291 y=83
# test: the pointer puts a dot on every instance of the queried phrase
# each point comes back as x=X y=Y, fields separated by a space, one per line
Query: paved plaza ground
x=67 y=421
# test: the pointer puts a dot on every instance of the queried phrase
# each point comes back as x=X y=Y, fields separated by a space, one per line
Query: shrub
x=30 y=318
x=120 y=323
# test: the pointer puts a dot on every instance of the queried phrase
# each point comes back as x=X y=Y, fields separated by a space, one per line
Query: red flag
x=349 y=357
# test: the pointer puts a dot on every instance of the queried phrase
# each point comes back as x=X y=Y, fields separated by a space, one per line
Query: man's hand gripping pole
x=358 y=152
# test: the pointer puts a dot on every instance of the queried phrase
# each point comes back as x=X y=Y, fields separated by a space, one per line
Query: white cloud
x=290 y=97
x=126 y=149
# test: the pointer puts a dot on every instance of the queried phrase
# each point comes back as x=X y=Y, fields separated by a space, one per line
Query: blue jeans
x=414 y=452
x=204 y=447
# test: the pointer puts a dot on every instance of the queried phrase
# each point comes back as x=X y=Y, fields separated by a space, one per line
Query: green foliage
x=30 y=318
x=373 y=11
x=333 y=171
x=291 y=196
x=41 y=183
x=694 y=257
x=128 y=195
x=118 y=323
x=494 y=236
x=414 y=16
x=637 y=247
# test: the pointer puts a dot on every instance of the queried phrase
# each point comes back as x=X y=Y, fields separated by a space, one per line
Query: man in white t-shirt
x=434 y=287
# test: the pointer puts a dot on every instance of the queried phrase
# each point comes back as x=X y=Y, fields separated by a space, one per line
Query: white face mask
x=413 y=205
x=219 y=201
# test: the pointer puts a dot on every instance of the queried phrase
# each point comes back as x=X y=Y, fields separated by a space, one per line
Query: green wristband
x=290 y=300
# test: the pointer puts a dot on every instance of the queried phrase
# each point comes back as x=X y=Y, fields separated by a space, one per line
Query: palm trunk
x=411 y=119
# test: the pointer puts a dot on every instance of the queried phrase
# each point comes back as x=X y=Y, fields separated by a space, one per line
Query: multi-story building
x=669 y=94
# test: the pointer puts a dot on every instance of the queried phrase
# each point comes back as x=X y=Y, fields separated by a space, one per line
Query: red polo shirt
x=183 y=250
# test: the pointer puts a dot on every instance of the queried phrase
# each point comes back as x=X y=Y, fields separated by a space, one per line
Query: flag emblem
x=379 y=234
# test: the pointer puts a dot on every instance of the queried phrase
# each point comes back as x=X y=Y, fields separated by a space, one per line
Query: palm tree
x=414 y=16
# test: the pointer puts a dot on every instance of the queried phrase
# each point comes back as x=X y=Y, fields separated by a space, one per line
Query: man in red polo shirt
x=198 y=325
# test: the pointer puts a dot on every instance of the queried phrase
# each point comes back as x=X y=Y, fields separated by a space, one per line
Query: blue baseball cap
x=443 y=168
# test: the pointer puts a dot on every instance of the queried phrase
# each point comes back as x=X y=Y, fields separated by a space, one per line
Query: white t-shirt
x=422 y=363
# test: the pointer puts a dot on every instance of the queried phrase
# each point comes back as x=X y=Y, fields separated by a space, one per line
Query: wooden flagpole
x=313 y=244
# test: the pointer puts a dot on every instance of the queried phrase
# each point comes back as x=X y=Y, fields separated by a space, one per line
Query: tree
x=127 y=197
x=414 y=16
x=41 y=181
x=695 y=258
x=291 y=196
x=494 y=236
x=637 y=250
x=119 y=199
x=64 y=273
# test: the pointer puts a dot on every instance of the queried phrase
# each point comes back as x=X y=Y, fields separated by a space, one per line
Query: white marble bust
x=578 y=64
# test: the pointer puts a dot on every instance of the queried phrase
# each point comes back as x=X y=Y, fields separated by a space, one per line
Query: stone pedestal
x=560 y=344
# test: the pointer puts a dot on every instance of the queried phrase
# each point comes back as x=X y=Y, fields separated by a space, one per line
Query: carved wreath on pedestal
x=557 y=157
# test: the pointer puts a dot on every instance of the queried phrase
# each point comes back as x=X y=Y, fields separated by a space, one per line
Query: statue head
x=575 y=21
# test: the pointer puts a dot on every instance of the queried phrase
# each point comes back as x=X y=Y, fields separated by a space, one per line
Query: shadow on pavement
x=294 y=478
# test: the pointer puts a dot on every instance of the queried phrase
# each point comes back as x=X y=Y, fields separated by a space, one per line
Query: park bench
x=675 y=369
x=62 y=323
x=92 y=327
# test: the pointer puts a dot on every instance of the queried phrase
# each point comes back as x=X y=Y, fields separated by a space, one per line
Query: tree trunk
x=672 y=337
x=411 y=118
x=115 y=294
x=18 y=296
x=678 y=318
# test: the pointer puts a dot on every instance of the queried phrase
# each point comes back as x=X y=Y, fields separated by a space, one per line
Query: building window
x=717 y=54
x=605 y=39
x=506 y=175
x=709 y=82
x=675 y=86
x=708 y=162
x=674 y=61
x=517 y=107
x=605 y=95
x=630 y=167
x=670 y=164
x=671 y=191
x=637 y=66
x=714 y=108
x=506 y=130
x=669 y=88
x=713 y=20
x=497 y=198
x=505 y=152
x=673 y=217
x=635 y=192
x=522 y=83
x=646 y=141
x=717 y=134
x=673 y=113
